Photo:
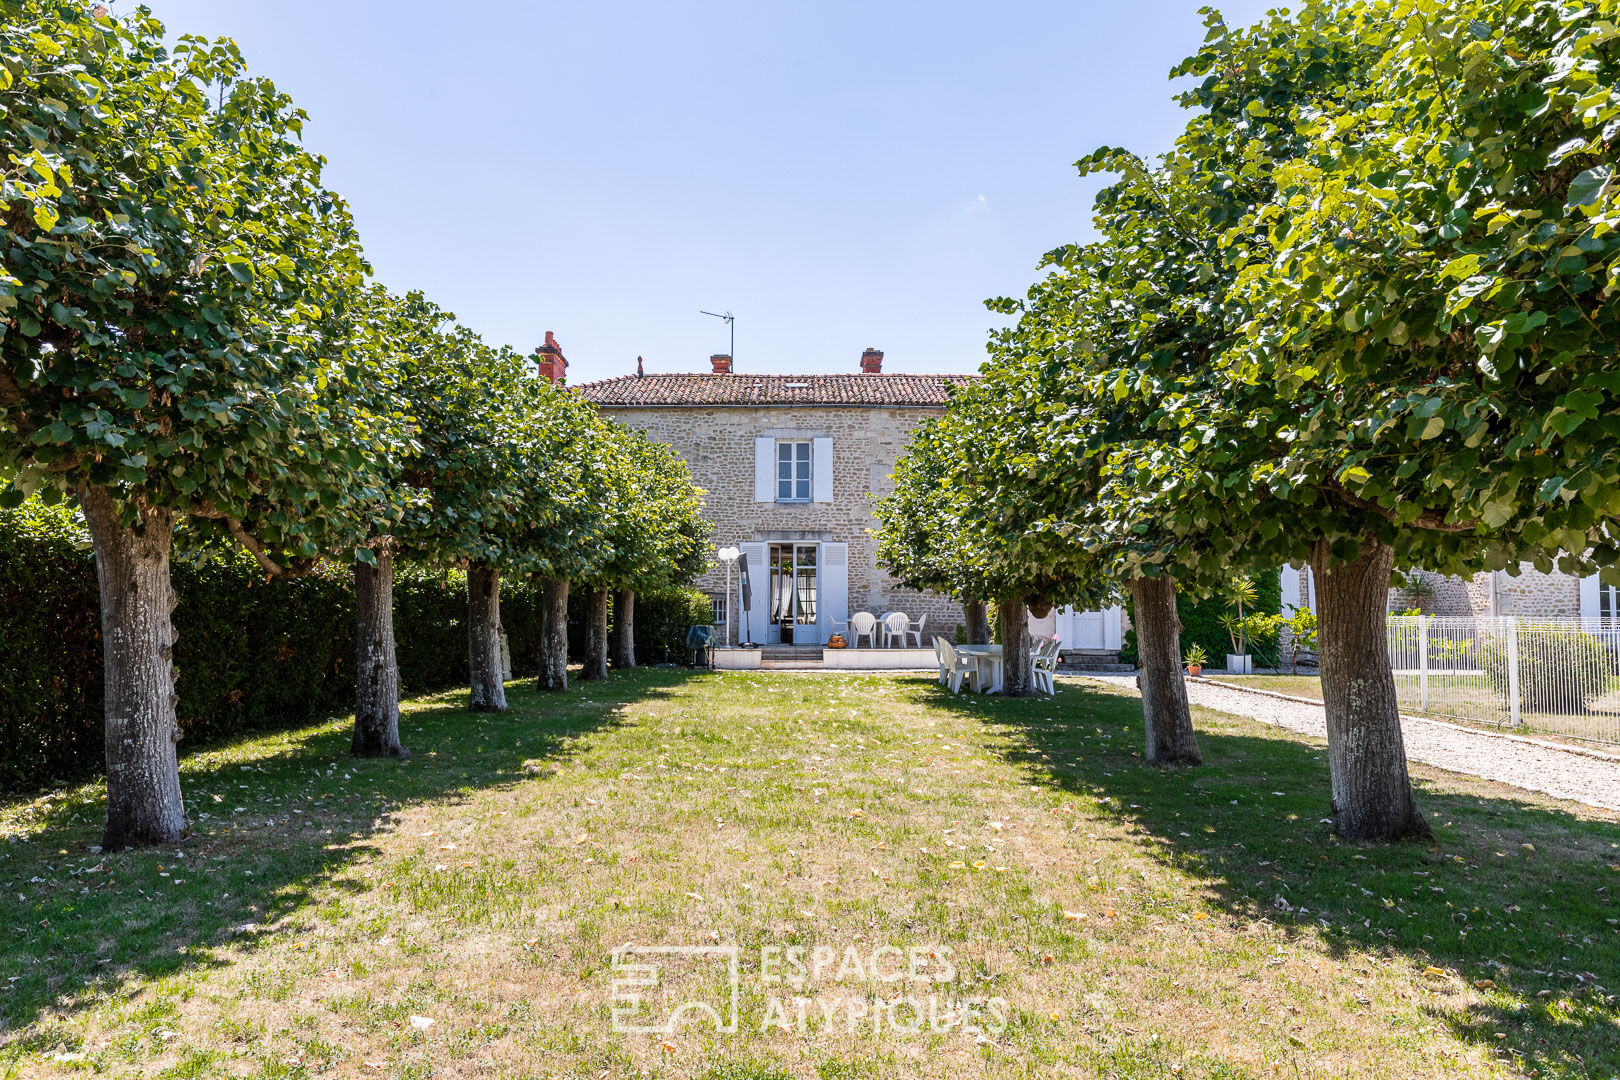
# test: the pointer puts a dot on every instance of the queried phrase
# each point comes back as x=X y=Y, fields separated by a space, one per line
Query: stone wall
x=718 y=444
x=1529 y=594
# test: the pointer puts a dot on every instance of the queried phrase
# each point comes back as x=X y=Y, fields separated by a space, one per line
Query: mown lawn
x=1306 y=686
x=996 y=889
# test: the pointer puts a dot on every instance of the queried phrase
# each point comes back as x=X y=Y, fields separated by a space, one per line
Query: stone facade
x=728 y=427
x=718 y=445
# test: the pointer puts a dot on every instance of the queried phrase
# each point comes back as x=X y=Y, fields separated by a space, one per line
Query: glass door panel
x=794 y=589
x=805 y=588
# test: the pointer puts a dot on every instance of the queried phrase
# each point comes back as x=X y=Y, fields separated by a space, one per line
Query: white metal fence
x=1557 y=676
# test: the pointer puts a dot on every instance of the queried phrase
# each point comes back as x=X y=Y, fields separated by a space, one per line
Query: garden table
x=989 y=661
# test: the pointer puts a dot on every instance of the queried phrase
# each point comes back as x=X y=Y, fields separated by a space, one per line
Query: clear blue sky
x=840 y=175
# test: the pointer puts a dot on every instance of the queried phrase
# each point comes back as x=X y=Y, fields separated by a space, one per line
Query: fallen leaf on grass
x=694 y=896
x=422 y=1023
x=1074 y=914
x=1432 y=970
x=1484 y=984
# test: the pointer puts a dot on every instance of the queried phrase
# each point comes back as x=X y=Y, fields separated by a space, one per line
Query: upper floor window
x=793 y=471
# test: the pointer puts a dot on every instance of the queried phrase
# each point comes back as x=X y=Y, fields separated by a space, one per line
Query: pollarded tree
x=654 y=534
x=564 y=533
x=919 y=532
x=1432 y=290
x=507 y=474
x=1107 y=349
x=956 y=523
x=486 y=466
x=173 y=273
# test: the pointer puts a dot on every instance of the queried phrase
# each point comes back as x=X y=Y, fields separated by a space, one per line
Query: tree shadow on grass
x=275 y=818
x=1515 y=890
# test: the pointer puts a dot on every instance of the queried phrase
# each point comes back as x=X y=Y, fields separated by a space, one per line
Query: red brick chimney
x=722 y=363
x=553 y=365
x=872 y=362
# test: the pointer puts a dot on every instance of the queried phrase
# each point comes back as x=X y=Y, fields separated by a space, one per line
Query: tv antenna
x=731 y=321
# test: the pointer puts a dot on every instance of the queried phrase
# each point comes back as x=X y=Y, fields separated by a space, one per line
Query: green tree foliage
x=955 y=523
x=174 y=272
x=652 y=529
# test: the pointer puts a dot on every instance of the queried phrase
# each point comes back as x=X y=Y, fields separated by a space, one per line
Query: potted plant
x=1240 y=593
x=1196 y=656
x=837 y=642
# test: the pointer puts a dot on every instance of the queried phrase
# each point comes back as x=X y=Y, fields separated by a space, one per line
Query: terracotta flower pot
x=1194 y=669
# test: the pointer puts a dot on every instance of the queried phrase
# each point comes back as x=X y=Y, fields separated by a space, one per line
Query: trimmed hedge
x=1201 y=624
x=251 y=654
x=662 y=617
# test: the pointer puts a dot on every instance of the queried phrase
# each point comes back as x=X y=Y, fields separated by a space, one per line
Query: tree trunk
x=596 y=634
x=1017 y=656
x=137 y=649
x=624 y=629
x=554 y=635
x=978 y=622
x=376 y=669
x=484 y=638
x=1165 y=716
x=1372 y=794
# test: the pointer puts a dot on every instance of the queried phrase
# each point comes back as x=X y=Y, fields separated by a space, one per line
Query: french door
x=794 y=587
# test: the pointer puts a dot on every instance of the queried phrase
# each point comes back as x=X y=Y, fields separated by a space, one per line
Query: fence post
x=1423 y=660
x=1513 y=669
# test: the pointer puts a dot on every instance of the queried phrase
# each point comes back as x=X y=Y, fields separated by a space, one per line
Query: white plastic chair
x=864 y=625
x=895 y=625
x=939 y=658
x=1048 y=654
x=915 y=630
x=955 y=667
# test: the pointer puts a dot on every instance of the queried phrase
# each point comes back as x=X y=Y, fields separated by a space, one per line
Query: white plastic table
x=988 y=660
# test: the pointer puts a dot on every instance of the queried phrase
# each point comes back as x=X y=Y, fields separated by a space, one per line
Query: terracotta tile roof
x=872 y=391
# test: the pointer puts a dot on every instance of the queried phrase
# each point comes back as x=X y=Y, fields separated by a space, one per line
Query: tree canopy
x=175 y=273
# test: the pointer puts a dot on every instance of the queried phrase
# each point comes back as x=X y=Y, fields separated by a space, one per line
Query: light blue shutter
x=821 y=471
x=753 y=622
x=764 y=469
x=832 y=603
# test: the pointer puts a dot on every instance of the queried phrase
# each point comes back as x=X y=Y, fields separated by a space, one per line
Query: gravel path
x=1560 y=773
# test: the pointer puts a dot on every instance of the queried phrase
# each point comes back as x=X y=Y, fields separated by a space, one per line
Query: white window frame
x=797 y=458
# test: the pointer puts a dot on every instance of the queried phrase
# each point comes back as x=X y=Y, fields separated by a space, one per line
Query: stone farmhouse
x=789 y=463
